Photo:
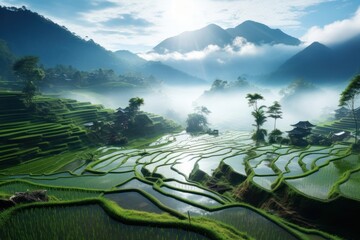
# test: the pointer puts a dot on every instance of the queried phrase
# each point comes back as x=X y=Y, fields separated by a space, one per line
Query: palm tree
x=253 y=100
x=260 y=119
x=259 y=114
x=275 y=112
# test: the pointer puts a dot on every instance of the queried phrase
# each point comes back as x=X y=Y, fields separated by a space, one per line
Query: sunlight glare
x=185 y=14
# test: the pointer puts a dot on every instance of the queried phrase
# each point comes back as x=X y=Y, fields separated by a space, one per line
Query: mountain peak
x=196 y=40
x=316 y=48
x=317 y=45
x=251 y=23
x=212 y=26
x=260 y=33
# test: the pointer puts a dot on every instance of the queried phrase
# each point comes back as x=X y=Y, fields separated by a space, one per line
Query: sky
x=139 y=25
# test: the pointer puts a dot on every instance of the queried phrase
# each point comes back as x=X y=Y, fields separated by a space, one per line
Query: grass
x=169 y=158
x=55 y=194
x=252 y=223
x=49 y=164
x=350 y=188
x=68 y=219
x=82 y=222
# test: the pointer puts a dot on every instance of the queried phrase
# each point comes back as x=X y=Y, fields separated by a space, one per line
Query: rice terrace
x=146 y=120
x=178 y=186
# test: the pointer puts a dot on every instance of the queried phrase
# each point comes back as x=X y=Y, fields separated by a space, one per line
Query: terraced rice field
x=161 y=178
x=25 y=135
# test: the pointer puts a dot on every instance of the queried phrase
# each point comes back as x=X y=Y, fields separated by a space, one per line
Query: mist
x=229 y=111
x=229 y=62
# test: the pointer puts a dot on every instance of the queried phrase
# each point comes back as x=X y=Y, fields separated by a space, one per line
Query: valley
x=179 y=120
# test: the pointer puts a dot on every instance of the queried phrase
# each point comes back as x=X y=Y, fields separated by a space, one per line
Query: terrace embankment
x=52 y=126
x=288 y=203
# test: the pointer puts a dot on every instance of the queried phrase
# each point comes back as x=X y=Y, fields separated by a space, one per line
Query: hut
x=341 y=113
x=301 y=130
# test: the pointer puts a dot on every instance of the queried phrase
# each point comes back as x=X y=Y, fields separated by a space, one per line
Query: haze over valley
x=267 y=58
x=179 y=119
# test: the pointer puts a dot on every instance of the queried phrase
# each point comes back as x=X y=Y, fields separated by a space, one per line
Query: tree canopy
x=275 y=112
x=348 y=97
x=197 y=121
x=253 y=99
x=27 y=69
x=259 y=116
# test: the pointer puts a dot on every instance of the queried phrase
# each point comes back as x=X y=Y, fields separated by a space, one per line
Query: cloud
x=239 y=48
x=127 y=20
x=63 y=8
x=161 y=18
x=229 y=62
x=194 y=55
x=335 y=32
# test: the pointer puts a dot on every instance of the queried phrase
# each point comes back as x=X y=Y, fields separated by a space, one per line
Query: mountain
x=7 y=59
x=322 y=64
x=28 y=33
x=212 y=34
x=348 y=56
x=195 y=40
x=134 y=63
x=259 y=33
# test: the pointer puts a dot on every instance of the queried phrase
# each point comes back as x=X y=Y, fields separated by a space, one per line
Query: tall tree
x=259 y=114
x=197 y=121
x=253 y=100
x=28 y=70
x=125 y=117
x=348 y=97
x=275 y=112
x=134 y=105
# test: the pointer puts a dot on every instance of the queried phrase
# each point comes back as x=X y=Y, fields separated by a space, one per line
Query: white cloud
x=228 y=62
x=167 y=18
x=335 y=32
x=194 y=55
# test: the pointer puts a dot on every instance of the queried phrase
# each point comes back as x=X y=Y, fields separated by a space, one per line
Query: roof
x=303 y=124
x=299 y=131
x=88 y=124
x=341 y=133
x=342 y=109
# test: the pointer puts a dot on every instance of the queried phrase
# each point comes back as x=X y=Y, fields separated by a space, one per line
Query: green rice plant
x=55 y=194
x=252 y=223
x=320 y=183
x=100 y=182
x=133 y=200
x=81 y=222
x=350 y=188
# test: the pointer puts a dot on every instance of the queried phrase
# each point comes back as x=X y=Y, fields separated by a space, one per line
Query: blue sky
x=139 y=25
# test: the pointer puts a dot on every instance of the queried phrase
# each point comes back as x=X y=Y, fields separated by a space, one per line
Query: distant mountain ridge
x=155 y=68
x=212 y=34
x=319 y=63
x=195 y=40
x=259 y=33
x=28 y=33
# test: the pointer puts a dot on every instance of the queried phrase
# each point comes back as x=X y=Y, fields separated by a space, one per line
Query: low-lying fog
x=230 y=110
